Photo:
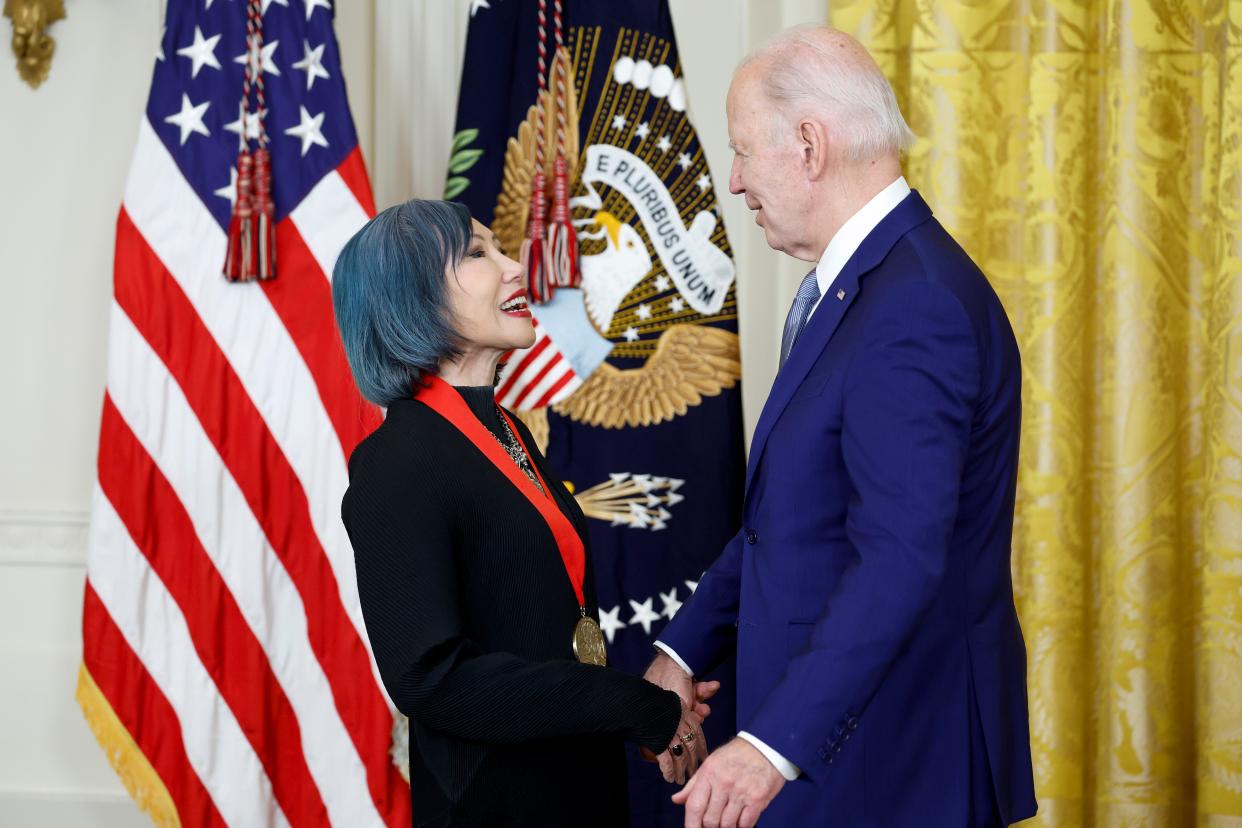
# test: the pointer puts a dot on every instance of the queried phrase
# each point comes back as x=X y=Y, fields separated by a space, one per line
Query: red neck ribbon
x=443 y=399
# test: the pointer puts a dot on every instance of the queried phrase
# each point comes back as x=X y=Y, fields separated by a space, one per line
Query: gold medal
x=589 y=642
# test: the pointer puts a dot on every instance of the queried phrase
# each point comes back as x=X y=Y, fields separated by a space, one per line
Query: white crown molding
x=43 y=537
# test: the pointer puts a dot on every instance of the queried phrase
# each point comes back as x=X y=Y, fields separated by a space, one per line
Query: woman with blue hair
x=472 y=561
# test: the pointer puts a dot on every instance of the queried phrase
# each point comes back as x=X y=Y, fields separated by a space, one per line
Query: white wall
x=65 y=149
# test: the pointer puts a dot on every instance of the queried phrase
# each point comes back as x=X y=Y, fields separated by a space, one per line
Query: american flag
x=225 y=668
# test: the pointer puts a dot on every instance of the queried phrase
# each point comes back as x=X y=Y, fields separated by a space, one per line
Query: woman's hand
x=689 y=747
x=688 y=750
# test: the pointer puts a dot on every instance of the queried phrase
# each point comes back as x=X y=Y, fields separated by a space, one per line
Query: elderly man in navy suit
x=881 y=671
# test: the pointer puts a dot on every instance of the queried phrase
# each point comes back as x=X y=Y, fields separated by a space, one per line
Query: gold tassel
x=130 y=763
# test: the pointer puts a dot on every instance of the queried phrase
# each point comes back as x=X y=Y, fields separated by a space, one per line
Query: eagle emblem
x=656 y=267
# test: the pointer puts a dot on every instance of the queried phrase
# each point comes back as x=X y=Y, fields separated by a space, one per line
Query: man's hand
x=731 y=789
x=666 y=673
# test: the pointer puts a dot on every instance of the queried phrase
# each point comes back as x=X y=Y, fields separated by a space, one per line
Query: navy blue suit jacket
x=868 y=594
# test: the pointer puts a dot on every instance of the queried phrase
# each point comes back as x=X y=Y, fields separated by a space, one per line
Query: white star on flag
x=703 y=183
x=644 y=614
x=190 y=118
x=631 y=334
x=662 y=283
x=664 y=144
x=475 y=5
x=692 y=585
x=310 y=130
x=311 y=5
x=644 y=311
x=264 y=59
x=252 y=123
x=202 y=52
x=671 y=604
x=229 y=191
x=312 y=63
x=618 y=122
x=610 y=622
x=676 y=304
x=684 y=161
x=644 y=129
x=267 y=3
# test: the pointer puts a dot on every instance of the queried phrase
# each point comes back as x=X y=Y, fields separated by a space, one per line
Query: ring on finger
x=677 y=750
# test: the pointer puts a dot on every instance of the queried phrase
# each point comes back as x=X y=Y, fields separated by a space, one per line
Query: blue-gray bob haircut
x=390 y=296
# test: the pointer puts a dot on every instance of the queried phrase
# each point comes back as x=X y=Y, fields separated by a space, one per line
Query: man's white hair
x=804 y=77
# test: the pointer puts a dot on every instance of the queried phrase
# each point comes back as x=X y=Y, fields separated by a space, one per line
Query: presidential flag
x=632 y=385
x=226 y=670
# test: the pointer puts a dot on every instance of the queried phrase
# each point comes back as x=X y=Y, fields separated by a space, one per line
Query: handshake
x=735 y=784
x=689 y=747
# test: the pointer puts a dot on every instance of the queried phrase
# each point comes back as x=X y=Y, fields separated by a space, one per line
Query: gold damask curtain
x=1087 y=155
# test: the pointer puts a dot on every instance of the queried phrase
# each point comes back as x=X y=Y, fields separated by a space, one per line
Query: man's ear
x=814 y=142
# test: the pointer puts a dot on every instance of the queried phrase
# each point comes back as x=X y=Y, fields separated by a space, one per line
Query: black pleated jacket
x=471 y=614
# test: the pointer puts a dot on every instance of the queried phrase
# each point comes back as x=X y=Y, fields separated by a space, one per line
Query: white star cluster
x=644 y=613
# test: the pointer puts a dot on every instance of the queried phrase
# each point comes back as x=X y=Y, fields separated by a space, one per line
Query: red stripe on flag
x=520 y=368
x=164 y=315
x=142 y=708
x=353 y=170
x=232 y=656
x=556 y=360
x=551 y=392
x=302 y=298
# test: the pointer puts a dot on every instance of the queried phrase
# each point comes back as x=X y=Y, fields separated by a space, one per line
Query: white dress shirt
x=840 y=249
x=852 y=234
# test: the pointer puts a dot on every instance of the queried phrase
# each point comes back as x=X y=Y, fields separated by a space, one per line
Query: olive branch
x=461 y=160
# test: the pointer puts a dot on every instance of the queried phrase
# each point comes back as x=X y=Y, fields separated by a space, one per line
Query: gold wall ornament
x=32 y=45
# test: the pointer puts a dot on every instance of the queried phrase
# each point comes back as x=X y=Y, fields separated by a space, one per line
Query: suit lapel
x=907 y=215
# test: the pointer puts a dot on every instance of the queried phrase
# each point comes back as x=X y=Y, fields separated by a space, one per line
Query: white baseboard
x=68 y=809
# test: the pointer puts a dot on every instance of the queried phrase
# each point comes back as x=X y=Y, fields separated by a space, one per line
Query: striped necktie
x=807 y=296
